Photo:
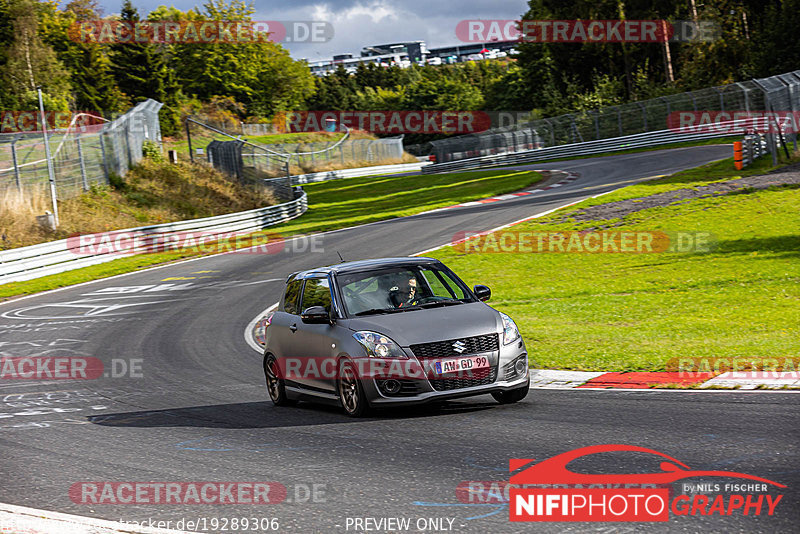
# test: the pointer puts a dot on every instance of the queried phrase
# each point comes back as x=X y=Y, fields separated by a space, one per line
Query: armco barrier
x=300 y=179
x=35 y=261
x=616 y=144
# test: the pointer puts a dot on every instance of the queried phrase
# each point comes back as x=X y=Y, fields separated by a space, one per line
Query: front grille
x=466 y=379
x=444 y=349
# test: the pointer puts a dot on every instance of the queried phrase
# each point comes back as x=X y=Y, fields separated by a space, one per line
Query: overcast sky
x=359 y=23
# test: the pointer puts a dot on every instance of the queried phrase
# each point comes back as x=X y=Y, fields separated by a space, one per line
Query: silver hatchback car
x=388 y=332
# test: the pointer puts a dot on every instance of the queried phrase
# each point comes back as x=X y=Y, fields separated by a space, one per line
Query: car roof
x=361 y=265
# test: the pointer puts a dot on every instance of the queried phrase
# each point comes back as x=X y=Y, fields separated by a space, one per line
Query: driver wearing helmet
x=404 y=293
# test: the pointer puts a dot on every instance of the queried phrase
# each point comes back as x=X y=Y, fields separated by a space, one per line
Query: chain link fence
x=81 y=156
x=777 y=93
x=320 y=156
x=247 y=161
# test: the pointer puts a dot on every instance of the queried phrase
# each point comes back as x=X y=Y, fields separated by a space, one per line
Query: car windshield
x=400 y=288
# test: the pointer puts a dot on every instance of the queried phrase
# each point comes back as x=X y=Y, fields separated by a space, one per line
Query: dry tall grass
x=18 y=213
x=151 y=193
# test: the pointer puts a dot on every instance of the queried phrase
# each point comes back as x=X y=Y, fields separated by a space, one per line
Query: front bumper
x=423 y=391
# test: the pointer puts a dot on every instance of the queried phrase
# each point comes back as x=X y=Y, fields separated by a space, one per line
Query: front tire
x=276 y=388
x=513 y=395
x=351 y=392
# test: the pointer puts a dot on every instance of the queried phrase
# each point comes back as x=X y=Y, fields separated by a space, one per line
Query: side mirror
x=483 y=293
x=315 y=315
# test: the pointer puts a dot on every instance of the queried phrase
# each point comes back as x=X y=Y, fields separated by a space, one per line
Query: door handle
x=293 y=328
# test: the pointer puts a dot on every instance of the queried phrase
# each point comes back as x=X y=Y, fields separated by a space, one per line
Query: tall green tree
x=93 y=85
x=138 y=67
x=146 y=70
x=31 y=63
x=258 y=73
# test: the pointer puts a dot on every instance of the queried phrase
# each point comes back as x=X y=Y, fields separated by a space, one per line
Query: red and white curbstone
x=741 y=380
x=569 y=178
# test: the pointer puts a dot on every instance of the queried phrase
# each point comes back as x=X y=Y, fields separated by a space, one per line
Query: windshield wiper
x=379 y=310
x=447 y=302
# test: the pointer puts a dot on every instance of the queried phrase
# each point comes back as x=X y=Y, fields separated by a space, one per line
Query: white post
x=50 y=170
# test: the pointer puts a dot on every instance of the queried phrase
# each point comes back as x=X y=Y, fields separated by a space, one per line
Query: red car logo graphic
x=554 y=470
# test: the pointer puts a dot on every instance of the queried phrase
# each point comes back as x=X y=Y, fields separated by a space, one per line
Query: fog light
x=391 y=387
x=521 y=366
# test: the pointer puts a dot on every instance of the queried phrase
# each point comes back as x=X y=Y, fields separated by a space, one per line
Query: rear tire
x=513 y=395
x=351 y=392
x=276 y=387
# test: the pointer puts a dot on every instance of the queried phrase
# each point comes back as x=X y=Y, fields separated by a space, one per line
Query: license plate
x=454 y=365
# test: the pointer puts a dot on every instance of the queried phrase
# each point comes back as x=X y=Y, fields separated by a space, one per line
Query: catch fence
x=81 y=155
x=780 y=94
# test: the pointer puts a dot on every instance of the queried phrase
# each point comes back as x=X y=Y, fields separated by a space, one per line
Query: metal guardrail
x=300 y=179
x=588 y=148
x=56 y=257
x=752 y=147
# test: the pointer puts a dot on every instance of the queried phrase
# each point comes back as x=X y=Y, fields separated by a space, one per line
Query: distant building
x=413 y=50
x=407 y=53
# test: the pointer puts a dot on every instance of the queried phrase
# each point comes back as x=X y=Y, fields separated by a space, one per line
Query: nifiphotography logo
x=565 y=495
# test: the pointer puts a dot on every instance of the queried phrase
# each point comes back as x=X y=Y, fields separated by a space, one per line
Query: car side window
x=291 y=297
x=442 y=285
x=317 y=293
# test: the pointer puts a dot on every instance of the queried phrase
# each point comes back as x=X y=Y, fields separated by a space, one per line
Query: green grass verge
x=333 y=204
x=635 y=312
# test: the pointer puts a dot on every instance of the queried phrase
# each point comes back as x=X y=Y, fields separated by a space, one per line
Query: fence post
x=772 y=146
x=128 y=143
x=103 y=154
x=189 y=138
x=746 y=96
x=83 y=164
x=552 y=132
x=16 y=166
x=50 y=170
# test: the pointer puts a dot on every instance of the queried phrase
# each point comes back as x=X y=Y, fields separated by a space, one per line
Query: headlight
x=510 y=330
x=379 y=346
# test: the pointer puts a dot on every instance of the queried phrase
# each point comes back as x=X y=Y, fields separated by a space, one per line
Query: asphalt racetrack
x=184 y=399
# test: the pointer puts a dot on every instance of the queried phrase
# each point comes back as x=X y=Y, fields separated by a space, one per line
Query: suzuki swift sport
x=388 y=332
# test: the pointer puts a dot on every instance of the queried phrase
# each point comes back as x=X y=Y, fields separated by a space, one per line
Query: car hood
x=432 y=324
